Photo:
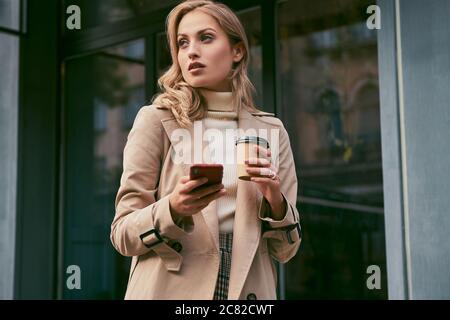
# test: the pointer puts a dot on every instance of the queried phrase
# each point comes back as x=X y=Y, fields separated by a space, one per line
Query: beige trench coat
x=182 y=262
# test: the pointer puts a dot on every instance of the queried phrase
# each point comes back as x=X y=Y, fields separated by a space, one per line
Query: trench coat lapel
x=246 y=227
x=198 y=155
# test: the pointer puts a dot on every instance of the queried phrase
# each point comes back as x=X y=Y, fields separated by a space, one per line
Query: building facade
x=366 y=110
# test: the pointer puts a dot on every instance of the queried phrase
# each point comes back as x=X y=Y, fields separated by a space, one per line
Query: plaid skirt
x=225 y=246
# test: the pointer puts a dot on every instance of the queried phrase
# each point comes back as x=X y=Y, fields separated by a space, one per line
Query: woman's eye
x=206 y=36
x=180 y=43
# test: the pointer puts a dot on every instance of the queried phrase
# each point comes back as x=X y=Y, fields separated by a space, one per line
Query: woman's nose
x=193 y=50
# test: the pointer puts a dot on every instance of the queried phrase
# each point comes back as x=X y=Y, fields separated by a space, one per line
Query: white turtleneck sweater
x=222 y=116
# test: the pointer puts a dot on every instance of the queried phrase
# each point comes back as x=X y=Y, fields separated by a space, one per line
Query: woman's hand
x=189 y=197
x=264 y=174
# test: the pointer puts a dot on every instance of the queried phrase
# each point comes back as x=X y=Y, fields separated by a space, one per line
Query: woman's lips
x=196 y=69
x=195 y=64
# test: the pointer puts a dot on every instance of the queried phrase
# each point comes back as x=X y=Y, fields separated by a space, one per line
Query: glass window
x=9 y=75
x=137 y=95
x=163 y=58
x=329 y=103
x=251 y=21
x=100 y=12
x=9 y=14
x=100 y=115
x=103 y=92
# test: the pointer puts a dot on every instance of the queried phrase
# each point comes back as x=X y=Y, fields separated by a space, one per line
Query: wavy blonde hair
x=185 y=102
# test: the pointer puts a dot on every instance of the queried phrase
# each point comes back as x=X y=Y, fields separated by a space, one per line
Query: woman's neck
x=218 y=100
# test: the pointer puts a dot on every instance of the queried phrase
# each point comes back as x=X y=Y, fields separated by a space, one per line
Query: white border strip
x=401 y=103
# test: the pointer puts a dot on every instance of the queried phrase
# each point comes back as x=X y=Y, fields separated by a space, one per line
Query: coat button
x=251 y=296
x=177 y=246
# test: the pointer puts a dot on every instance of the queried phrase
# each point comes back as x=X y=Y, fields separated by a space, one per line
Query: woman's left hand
x=264 y=174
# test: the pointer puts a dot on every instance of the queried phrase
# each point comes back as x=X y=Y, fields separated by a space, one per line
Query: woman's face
x=201 y=40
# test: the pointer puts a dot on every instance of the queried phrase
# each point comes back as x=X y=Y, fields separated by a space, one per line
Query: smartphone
x=214 y=173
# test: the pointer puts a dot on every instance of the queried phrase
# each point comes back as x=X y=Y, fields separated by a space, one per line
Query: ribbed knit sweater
x=223 y=117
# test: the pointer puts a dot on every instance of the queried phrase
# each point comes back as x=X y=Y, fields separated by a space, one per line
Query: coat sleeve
x=143 y=223
x=283 y=236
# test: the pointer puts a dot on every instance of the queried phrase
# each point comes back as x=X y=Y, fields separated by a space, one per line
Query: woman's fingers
x=202 y=192
x=258 y=162
x=186 y=203
x=192 y=184
x=262 y=159
x=263 y=152
x=262 y=171
x=184 y=179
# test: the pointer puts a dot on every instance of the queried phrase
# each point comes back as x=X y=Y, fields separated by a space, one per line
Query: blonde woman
x=187 y=240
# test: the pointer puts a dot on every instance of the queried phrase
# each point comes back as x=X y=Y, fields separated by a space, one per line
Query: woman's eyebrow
x=198 y=32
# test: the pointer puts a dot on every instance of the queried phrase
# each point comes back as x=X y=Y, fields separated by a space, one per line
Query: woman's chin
x=205 y=85
x=196 y=83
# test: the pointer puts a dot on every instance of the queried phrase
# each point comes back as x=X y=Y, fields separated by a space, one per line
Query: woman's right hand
x=189 y=198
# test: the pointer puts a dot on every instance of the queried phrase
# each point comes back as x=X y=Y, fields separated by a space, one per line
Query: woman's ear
x=238 y=52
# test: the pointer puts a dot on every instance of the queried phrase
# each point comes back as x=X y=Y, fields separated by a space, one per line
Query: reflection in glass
x=163 y=58
x=104 y=91
x=101 y=12
x=329 y=102
x=251 y=21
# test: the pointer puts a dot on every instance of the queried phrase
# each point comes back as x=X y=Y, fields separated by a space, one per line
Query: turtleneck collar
x=218 y=101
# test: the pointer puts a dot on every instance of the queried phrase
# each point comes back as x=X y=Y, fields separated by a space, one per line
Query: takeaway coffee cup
x=245 y=146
